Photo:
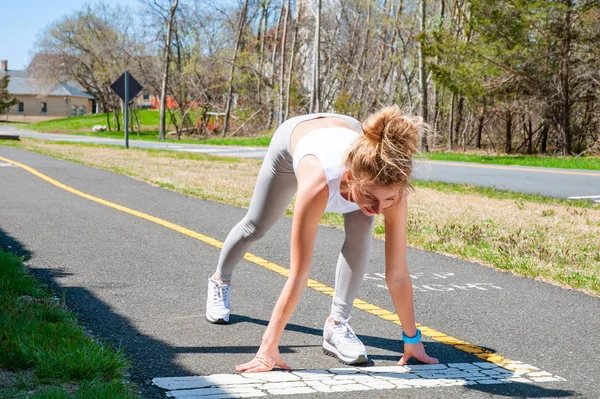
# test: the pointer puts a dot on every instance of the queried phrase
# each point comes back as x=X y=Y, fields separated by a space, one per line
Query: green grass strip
x=585 y=162
x=74 y=123
x=149 y=122
x=41 y=338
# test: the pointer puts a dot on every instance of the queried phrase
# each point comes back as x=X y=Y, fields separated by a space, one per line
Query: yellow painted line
x=370 y=308
x=477 y=165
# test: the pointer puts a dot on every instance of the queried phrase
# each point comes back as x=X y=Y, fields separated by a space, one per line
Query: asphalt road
x=140 y=282
x=551 y=182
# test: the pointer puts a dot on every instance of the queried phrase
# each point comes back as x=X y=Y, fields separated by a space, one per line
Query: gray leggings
x=275 y=187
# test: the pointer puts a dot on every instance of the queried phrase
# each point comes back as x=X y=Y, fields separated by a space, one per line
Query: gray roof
x=21 y=83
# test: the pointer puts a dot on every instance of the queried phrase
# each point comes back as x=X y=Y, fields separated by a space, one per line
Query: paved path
x=552 y=182
x=134 y=259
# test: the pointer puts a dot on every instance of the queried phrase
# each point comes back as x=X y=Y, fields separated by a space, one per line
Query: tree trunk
x=117 y=117
x=291 y=67
x=282 y=64
x=354 y=38
x=508 y=137
x=137 y=119
x=436 y=110
x=423 y=76
x=384 y=40
x=529 y=136
x=165 y=78
x=459 y=116
x=565 y=115
x=544 y=144
x=262 y=28
x=315 y=95
x=390 y=45
x=274 y=54
x=480 y=127
x=232 y=69
x=361 y=64
x=105 y=108
x=271 y=77
x=451 y=123
x=436 y=91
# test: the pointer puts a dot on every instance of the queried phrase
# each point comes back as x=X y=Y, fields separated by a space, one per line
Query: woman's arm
x=311 y=200
x=398 y=278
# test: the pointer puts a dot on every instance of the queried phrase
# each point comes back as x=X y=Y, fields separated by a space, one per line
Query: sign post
x=126 y=110
x=127 y=88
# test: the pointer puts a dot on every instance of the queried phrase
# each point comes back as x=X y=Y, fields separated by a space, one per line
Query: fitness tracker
x=412 y=340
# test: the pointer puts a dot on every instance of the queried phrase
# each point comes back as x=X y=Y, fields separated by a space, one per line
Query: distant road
x=551 y=182
x=239 y=151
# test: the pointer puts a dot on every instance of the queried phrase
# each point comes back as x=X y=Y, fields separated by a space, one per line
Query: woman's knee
x=359 y=232
x=252 y=231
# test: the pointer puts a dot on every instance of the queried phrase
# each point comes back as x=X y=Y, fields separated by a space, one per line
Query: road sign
x=127 y=88
x=119 y=86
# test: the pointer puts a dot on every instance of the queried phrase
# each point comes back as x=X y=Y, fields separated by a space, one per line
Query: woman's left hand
x=418 y=352
x=263 y=361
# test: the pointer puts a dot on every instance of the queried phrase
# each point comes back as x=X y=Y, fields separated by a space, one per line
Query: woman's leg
x=352 y=262
x=339 y=339
x=275 y=187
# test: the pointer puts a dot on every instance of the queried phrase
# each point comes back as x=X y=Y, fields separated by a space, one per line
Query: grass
x=550 y=239
x=262 y=141
x=587 y=162
x=149 y=121
x=148 y=118
x=44 y=353
x=16 y=124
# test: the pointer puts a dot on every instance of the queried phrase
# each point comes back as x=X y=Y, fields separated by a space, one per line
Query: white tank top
x=330 y=146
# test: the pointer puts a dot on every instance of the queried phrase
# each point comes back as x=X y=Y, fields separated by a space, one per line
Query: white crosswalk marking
x=246 y=385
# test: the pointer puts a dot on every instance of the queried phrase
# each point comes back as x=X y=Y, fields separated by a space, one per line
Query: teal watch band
x=412 y=340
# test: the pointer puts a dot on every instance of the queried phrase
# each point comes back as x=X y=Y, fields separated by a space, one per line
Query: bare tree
x=291 y=64
x=282 y=63
x=315 y=95
x=92 y=46
x=238 y=40
x=168 y=16
x=423 y=75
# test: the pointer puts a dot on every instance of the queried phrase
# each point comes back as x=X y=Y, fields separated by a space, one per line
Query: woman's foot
x=340 y=341
x=217 y=301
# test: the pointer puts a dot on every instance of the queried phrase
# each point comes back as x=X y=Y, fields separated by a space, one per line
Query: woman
x=332 y=164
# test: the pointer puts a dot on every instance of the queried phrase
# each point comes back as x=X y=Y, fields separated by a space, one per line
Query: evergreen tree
x=6 y=100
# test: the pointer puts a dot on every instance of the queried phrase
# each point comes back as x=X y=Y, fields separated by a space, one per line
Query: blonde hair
x=383 y=154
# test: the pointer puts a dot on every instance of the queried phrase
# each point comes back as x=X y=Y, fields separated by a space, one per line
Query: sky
x=22 y=20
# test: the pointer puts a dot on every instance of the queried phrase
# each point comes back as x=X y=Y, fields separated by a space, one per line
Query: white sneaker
x=217 y=302
x=341 y=342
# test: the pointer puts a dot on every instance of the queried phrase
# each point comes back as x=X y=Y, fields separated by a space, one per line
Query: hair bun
x=383 y=154
x=390 y=128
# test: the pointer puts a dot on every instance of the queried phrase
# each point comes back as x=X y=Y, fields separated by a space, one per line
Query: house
x=39 y=100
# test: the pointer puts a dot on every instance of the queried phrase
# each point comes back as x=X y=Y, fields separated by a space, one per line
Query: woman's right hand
x=418 y=352
x=265 y=360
